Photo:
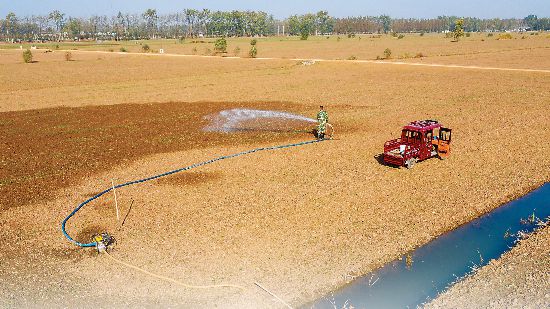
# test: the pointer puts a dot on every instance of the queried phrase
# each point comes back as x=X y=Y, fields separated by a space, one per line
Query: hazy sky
x=285 y=8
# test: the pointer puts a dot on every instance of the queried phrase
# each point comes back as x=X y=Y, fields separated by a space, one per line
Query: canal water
x=429 y=270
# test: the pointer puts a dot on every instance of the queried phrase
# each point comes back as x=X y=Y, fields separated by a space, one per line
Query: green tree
x=10 y=24
x=293 y=25
x=151 y=17
x=191 y=16
x=324 y=23
x=307 y=26
x=204 y=17
x=73 y=27
x=458 y=32
x=532 y=22
x=58 y=19
x=385 y=21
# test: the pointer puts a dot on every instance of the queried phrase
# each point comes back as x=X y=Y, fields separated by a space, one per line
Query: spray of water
x=230 y=120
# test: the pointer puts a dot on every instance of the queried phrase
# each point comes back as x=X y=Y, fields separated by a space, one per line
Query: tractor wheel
x=410 y=163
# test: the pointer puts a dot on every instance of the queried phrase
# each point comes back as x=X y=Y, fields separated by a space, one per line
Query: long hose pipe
x=93 y=244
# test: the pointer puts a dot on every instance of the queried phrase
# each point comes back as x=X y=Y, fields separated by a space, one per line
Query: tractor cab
x=419 y=141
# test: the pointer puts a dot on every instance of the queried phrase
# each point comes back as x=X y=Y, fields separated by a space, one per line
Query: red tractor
x=420 y=140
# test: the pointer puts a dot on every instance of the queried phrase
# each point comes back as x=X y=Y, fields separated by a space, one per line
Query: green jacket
x=322 y=116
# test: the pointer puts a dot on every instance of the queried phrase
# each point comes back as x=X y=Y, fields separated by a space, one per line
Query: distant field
x=523 y=50
x=301 y=221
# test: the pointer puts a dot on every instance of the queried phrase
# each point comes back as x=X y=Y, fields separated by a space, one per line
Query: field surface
x=300 y=221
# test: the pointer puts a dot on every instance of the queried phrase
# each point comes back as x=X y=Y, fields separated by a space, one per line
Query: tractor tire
x=410 y=163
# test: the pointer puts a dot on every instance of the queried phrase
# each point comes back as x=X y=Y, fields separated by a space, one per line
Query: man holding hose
x=322 y=118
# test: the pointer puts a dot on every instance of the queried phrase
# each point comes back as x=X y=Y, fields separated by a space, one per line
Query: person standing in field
x=322 y=118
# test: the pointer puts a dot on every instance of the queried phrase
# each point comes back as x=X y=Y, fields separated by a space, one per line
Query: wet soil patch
x=48 y=149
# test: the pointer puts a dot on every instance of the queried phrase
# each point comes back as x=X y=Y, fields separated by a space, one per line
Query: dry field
x=301 y=221
x=527 y=50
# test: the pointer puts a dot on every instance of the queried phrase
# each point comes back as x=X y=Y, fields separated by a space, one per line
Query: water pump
x=103 y=241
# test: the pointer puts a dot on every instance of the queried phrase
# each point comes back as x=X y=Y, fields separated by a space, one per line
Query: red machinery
x=420 y=140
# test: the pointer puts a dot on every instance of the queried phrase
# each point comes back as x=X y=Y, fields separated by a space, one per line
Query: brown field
x=301 y=221
x=522 y=51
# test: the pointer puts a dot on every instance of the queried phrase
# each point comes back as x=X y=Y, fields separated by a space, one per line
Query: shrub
x=253 y=51
x=145 y=48
x=490 y=35
x=419 y=55
x=57 y=46
x=378 y=58
x=27 y=56
x=123 y=50
x=351 y=35
x=194 y=50
x=207 y=51
x=111 y=50
x=387 y=53
x=422 y=33
x=181 y=40
x=352 y=57
x=220 y=46
x=68 y=56
x=400 y=36
x=468 y=34
x=338 y=39
x=505 y=36
x=236 y=51
x=459 y=29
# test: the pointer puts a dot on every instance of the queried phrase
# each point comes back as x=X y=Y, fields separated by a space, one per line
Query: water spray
x=229 y=120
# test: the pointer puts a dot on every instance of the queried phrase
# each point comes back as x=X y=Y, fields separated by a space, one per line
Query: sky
x=285 y=8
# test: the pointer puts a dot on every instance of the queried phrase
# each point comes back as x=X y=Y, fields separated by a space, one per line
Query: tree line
x=57 y=26
x=385 y=24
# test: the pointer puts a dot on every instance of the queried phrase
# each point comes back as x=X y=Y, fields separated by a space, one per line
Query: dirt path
x=434 y=65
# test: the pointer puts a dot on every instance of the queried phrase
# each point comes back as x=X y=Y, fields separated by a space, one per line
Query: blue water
x=435 y=266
